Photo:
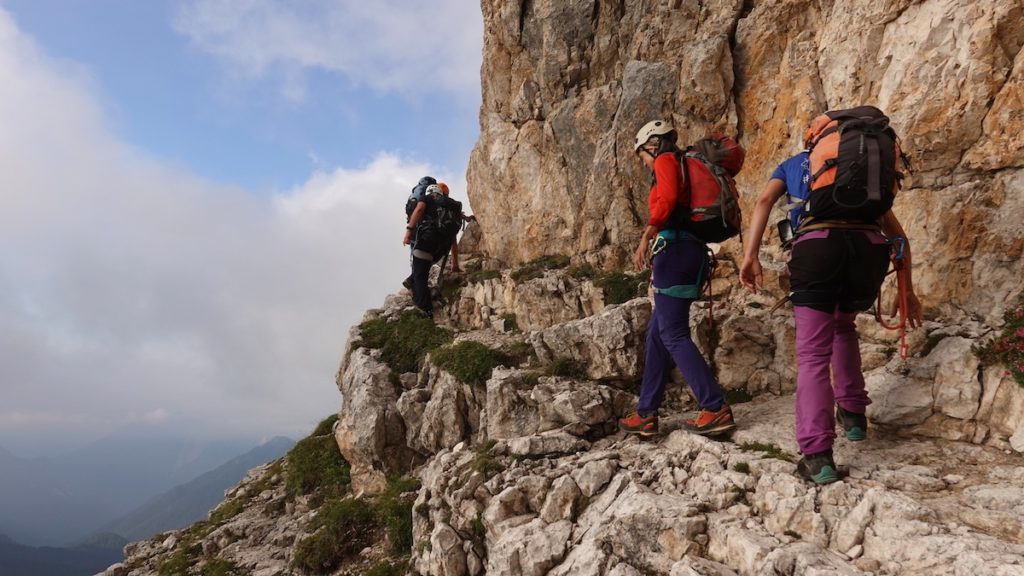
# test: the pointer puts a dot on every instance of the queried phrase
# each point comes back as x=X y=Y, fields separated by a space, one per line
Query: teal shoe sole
x=856 y=434
x=826 y=475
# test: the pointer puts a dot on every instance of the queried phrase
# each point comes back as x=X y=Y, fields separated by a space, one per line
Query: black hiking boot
x=854 y=425
x=818 y=468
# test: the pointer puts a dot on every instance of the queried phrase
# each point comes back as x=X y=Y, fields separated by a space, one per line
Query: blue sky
x=166 y=93
x=201 y=197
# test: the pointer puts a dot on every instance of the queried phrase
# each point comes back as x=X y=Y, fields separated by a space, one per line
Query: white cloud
x=133 y=291
x=390 y=45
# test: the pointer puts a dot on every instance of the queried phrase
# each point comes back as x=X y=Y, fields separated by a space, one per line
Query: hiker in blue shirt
x=843 y=269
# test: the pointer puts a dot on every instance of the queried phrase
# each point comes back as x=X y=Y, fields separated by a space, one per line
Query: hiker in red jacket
x=678 y=261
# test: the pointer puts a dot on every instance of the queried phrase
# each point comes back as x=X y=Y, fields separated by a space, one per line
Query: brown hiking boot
x=634 y=423
x=711 y=423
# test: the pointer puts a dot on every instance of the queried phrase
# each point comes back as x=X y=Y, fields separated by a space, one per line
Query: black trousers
x=838 y=268
x=420 y=288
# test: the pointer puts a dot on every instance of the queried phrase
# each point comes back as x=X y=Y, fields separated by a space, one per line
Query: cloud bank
x=132 y=291
x=388 y=45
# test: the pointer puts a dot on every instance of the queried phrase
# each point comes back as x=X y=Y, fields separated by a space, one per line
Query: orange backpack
x=710 y=167
x=853 y=165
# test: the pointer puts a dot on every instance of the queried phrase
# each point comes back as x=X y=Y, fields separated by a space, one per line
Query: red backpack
x=710 y=167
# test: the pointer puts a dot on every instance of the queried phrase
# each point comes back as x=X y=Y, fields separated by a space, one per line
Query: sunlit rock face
x=566 y=85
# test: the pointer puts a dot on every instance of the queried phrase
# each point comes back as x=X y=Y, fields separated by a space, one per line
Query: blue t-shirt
x=795 y=173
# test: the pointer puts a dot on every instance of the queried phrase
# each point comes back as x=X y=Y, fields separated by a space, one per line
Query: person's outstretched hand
x=751 y=274
x=914 y=315
x=640 y=256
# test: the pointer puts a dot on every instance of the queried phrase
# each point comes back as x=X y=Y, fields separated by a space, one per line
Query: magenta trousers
x=825 y=341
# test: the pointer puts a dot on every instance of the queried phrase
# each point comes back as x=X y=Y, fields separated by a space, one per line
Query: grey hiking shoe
x=818 y=468
x=854 y=425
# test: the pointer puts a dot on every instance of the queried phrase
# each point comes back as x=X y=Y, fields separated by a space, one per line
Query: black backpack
x=440 y=226
x=853 y=164
x=419 y=191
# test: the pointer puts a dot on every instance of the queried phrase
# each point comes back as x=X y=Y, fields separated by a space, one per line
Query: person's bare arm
x=414 y=220
x=751 y=274
x=893 y=229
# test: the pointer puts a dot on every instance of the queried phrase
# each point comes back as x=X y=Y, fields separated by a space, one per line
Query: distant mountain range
x=60 y=500
x=180 y=506
x=20 y=560
x=185 y=504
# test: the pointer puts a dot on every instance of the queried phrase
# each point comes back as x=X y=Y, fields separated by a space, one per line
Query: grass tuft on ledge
x=470 y=362
x=403 y=342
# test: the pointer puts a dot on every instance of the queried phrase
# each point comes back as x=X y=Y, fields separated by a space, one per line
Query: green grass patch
x=619 y=287
x=769 y=450
x=511 y=324
x=477 y=276
x=519 y=352
x=394 y=511
x=582 y=271
x=176 y=565
x=403 y=342
x=450 y=289
x=227 y=510
x=736 y=396
x=315 y=463
x=565 y=367
x=387 y=568
x=479 y=531
x=536 y=268
x=470 y=362
x=741 y=467
x=342 y=528
x=484 y=463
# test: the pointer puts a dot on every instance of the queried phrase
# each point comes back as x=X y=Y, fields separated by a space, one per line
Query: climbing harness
x=896 y=256
x=704 y=275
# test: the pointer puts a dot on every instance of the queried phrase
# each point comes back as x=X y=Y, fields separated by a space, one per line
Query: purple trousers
x=834 y=274
x=668 y=334
x=825 y=341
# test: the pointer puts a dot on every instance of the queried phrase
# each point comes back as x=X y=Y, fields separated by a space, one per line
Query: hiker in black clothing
x=455 y=245
x=422 y=250
x=434 y=223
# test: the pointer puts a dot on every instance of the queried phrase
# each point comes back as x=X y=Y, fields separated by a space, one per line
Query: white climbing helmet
x=652 y=128
x=434 y=190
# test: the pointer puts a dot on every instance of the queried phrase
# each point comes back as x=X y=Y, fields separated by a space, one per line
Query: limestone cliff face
x=566 y=84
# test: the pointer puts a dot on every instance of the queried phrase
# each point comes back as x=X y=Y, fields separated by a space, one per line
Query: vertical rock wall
x=567 y=83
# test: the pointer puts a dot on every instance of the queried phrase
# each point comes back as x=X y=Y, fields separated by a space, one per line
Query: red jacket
x=669 y=190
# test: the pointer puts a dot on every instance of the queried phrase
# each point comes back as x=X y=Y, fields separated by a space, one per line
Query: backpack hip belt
x=809 y=225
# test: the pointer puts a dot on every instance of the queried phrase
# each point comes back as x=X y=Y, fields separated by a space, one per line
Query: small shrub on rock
x=403 y=342
x=619 y=287
x=342 y=528
x=470 y=362
x=394 y=510
x=315 y=463
x=1008 y=348
x=565 y=367
x=535 y=268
